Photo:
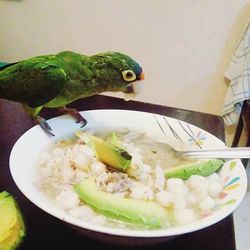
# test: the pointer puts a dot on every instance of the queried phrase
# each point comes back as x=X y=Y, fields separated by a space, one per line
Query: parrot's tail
x=4 y=65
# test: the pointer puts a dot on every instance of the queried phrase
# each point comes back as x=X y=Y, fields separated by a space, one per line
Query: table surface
x=47 y=232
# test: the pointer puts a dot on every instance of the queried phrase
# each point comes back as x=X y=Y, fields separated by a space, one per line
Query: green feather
x=56 y=80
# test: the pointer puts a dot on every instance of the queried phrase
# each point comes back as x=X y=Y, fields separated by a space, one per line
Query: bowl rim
x=152 y=233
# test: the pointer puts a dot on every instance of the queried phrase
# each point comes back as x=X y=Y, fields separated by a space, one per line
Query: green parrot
x=53 y=81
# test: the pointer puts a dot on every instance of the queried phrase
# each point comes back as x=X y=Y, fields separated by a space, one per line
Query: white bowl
x=26 y=150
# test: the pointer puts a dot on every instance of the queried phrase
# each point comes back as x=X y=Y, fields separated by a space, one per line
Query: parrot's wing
x=45 y=86
x=34 y=82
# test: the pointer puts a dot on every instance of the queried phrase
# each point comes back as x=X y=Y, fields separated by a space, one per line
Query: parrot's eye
x=128 y=75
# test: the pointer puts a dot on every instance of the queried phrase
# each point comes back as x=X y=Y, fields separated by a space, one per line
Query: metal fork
x=224 y=153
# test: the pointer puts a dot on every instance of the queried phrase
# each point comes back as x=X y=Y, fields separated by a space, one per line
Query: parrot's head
x=121 y=72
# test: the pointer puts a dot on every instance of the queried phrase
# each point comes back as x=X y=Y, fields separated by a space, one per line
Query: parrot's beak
x=142 y=76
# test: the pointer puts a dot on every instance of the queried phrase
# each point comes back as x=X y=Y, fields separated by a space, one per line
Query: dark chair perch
x=243 y=123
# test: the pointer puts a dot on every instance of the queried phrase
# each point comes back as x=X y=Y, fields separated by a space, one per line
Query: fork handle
x=227 y=153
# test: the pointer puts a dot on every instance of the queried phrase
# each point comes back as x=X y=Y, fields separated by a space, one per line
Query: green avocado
x=108 y=151
x=137 y=212
x=111 y=155
x=200 y=167
x=12 y=227
x=114 y=140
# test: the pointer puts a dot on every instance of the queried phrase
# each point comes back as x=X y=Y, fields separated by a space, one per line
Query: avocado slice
x=12 y=227
x=108 y=151
x=111 y=155
x=114 y=140
x=200 y=167
x=141 y=213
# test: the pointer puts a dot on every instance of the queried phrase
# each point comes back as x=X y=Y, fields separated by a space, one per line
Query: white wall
x=184 y=46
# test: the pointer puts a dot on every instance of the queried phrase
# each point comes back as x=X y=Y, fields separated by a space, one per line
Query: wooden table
x=47 y=232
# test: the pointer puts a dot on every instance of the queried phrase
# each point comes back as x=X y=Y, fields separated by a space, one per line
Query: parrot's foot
x=44 y=125
x=75 y=113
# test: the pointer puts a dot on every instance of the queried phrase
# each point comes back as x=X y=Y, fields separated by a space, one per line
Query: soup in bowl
x=118 y=179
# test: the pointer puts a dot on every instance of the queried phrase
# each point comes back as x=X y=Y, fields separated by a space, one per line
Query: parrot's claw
x=75 y=113
x=44 y=125
x=81 y=120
